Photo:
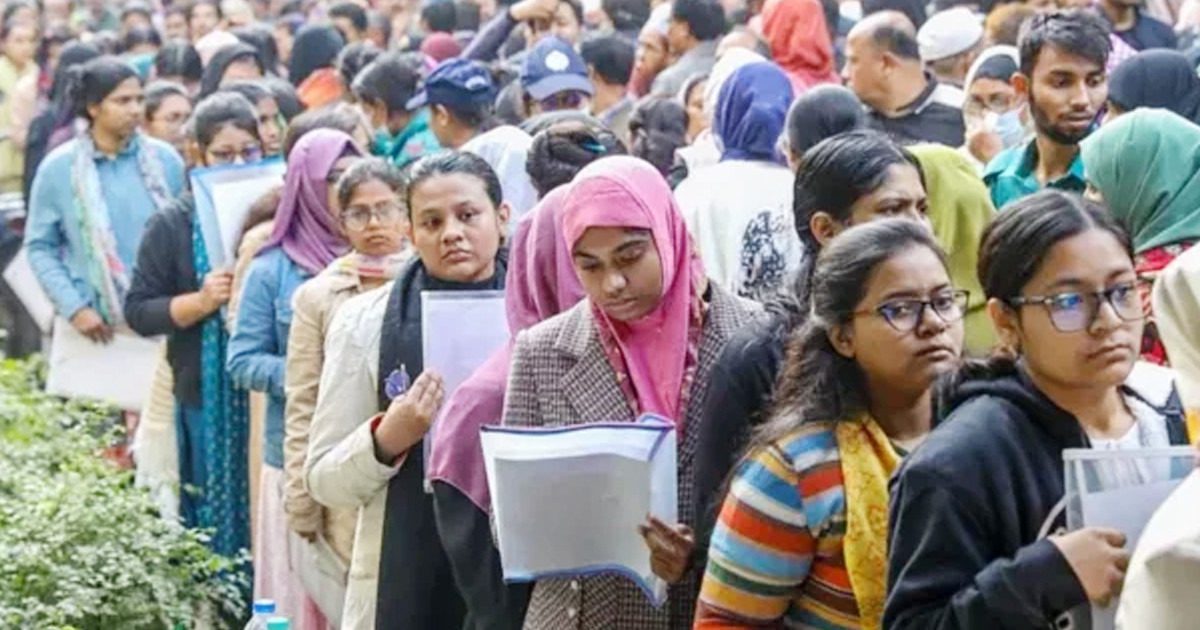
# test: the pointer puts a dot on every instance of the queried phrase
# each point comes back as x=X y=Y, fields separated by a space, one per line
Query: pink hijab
x=304 y=227
x=658 y=353
x=540 y=284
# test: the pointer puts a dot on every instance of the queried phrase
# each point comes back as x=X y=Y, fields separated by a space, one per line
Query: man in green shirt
x=1063 y=56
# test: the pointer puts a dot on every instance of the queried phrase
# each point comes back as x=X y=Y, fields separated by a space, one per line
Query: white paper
x=20 y=277
x=569 y=501
x=459 y=331
x=120 y=372
x=224 y=196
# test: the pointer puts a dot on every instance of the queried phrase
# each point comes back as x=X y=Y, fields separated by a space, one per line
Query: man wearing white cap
x=949 y=42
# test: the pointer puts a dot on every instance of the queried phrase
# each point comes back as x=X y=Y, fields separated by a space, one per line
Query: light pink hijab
x=540 y=284
x=659 y=352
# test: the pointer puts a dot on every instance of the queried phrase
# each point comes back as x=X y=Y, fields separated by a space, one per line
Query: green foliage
x=81 y=547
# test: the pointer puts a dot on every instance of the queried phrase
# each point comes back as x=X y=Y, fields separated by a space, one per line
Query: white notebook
x=119 y=372
x=568 y=501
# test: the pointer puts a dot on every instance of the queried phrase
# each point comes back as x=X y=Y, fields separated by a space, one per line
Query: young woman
x=970 y=551
x=19 y=42
x=237 y=62
x=541 y=283
x=167 y=109
x=179 y=62
x=306 y=237
x=959 y=210
x=739 y=209
x=846 y=180
x=1142 y=165
x=817 y=114
x=365 y=451
x=643 y=342
x=371 y=213
x=176 y=292
x=271 y=124
x=802 y=536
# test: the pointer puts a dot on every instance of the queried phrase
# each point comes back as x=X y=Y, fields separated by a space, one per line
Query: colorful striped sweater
x=776 y=552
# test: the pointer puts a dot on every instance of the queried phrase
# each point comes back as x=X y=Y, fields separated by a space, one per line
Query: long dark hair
x=92 y=82
x=816 y=383
x=1014 y=246
x=560 y=152
x=178 y=59
x=210 y=82
x=262 y=40
x=219 y=111
x=833 y=175
x=316 y=47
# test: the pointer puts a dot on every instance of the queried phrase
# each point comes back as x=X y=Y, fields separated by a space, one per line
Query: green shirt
x=1010 y=175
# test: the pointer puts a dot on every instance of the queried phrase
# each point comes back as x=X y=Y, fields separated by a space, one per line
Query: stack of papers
x=119 y=372
x=568 y=501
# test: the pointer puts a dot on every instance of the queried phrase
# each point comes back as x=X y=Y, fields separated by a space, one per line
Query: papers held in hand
x=120 y=372
x=568 y=501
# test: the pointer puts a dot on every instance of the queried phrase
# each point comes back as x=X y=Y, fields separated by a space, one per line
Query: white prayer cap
x=948 y=33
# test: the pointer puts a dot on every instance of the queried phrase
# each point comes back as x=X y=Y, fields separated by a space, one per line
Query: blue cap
x=553 y=66
x=264 y=607
x=456 y=82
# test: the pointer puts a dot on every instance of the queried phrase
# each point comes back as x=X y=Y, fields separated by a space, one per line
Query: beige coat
x=313 y=306
x=341 y=470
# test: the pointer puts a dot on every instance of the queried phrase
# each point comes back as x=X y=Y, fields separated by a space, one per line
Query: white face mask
x=1007 y=125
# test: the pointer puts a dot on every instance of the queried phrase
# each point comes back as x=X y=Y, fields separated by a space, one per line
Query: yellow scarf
x=868 y=461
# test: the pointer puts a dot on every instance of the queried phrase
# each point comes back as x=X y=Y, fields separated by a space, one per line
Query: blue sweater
x=52 y=237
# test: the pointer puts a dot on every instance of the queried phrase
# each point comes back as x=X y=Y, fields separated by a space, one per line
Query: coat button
x=571 y=612
x=574 y=585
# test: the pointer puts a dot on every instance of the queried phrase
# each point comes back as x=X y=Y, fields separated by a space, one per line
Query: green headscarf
x=1146 y=164
x=959 y=209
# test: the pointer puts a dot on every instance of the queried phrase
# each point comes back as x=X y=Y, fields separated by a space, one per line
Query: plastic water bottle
x=278 y=623
x=263 y=609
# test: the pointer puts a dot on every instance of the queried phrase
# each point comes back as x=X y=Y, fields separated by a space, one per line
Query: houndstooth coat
x=560 y=376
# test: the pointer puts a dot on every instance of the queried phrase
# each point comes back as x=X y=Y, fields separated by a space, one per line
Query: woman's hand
x=409 y=417
x=216 y=290
x=1098 y=558
x=88 y=322
x=670 y=548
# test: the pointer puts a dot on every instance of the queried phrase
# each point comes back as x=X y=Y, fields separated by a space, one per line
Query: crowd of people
x=879 y=262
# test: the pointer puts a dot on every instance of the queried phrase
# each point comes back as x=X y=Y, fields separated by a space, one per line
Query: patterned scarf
x=868 y=461
x=107 y=274
x=226 y=425
x=373 y=267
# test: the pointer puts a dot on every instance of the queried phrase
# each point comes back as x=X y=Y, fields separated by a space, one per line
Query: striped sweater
x=776 y=553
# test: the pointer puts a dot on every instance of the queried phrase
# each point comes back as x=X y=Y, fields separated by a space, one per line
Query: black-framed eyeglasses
x=248 y=154
x=358 y=218
x=905 y=314
x=1073 y=311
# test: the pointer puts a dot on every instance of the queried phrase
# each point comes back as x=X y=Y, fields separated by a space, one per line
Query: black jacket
x=165 y=268
x=971 y=508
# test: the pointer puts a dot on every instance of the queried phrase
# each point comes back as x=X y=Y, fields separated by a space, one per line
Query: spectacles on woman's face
x=247 y=154
x=905 y=314
x=1073 y=311
x=357 y=218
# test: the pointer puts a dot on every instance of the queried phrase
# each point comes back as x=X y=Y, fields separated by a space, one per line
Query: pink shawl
x=540 y=284
x=658 y=353
x=304 y=226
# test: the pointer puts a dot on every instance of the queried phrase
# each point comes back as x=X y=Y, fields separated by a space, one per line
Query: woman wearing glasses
x=802 y=536
x=176 y=292
x=976 y=510
x=306 y=238
x=372 y=217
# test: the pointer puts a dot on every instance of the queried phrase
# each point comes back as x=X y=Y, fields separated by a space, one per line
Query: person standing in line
x=305 y=238
x=1062 y=77
x=366 y=439
x=643 y=342
x=693 y=32
x=802 y=535
x=175 y=291
x=371 y=212
x=92 y=197
x=968 y=552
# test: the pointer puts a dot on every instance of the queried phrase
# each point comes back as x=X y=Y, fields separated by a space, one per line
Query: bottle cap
x=264 y=606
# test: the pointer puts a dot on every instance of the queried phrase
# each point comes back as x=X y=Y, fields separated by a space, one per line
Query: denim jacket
x=260 y=336
x=53 y=239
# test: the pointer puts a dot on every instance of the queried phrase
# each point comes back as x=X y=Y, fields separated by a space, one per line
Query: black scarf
x=416 y=587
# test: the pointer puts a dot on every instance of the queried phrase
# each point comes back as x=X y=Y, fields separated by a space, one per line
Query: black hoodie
x=972 y=507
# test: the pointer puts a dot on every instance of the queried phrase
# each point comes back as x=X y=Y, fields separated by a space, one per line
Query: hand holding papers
x=119 y=372
x=570 y=501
